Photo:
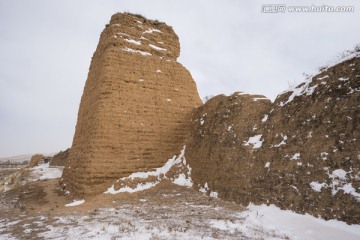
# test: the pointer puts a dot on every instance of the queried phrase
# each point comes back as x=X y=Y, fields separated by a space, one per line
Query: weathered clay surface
x=60 y=158
x=307 y=158
x=38 y=159
x=215 y=149
x=135 y=112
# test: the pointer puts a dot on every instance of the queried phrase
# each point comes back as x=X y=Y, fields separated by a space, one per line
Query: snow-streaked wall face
x=300 y=152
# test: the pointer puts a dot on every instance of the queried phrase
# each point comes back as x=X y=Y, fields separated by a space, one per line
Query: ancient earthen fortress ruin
x=136 y=107
x=140 y=107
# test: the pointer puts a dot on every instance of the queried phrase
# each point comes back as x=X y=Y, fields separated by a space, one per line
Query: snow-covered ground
x=44 y=171
x=170 y=209
x=26 y=175
x=75 y=203
x=258 y=222
x=153 y=178
x=180 y=219
x=297 y=226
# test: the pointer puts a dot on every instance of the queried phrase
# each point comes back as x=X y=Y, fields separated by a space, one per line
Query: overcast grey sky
x=228 y=45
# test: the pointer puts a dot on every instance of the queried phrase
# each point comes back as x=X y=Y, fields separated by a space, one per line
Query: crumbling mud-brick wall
x=135 y=112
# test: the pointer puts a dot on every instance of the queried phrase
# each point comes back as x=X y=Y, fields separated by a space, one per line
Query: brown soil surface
x=6 y=171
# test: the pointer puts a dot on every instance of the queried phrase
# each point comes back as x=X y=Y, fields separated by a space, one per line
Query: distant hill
x=22 y=160
x=16 y=159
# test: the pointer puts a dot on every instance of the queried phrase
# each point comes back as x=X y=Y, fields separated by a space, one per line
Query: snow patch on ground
x=283 y=141
x=296 y=156
x=75 y=203
x=139 y=187
x=272 y=219
x=44 y=171
x=338 y=181
x=182 y=215
x=26 y=175
x=338 y=173
x=324 y=155
x=265 y=118
x=214 y=194
x=202 y=119
x=316 y=186
x=344 y=79
x=255 y=141
x=182 y=179
x=205 y=188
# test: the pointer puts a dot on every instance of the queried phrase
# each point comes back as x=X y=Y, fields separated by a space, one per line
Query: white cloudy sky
x=228 y=45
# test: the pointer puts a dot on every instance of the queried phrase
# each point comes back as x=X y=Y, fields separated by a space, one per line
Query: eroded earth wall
x=135 y=112
x=300 y=152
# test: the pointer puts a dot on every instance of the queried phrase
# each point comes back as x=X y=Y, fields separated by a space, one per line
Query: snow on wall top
x=135 y=34
x=307 y=88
